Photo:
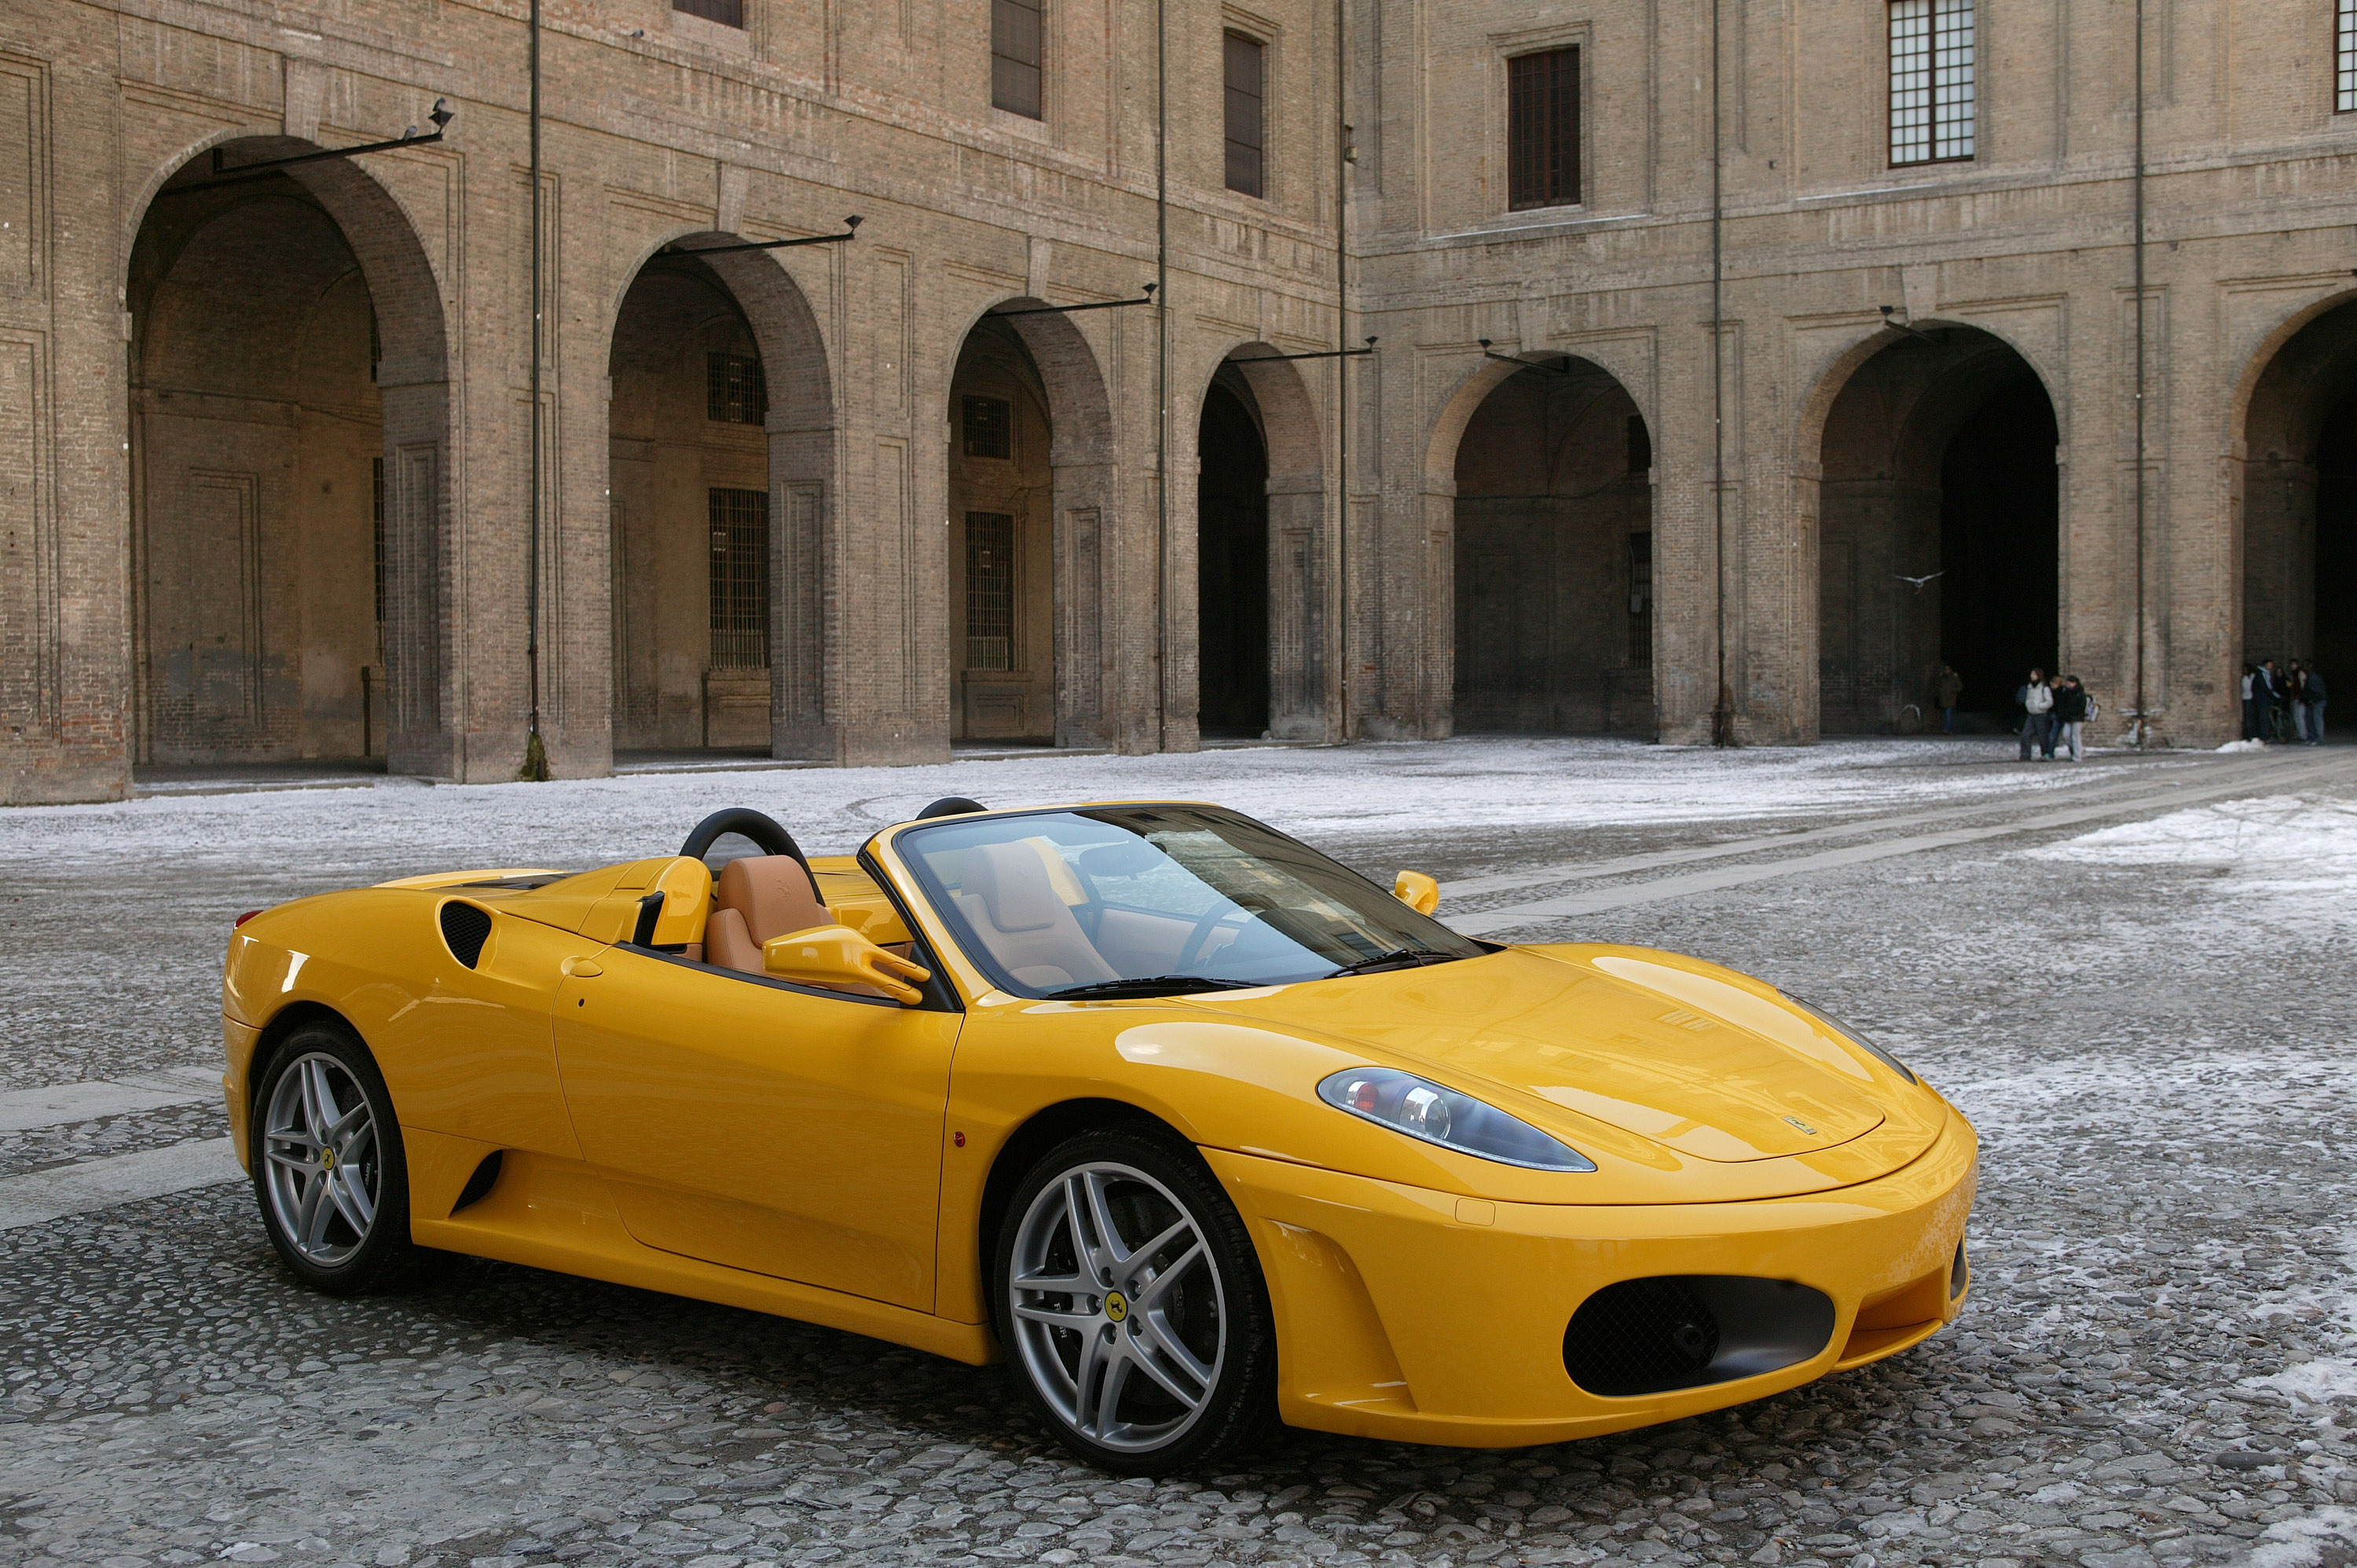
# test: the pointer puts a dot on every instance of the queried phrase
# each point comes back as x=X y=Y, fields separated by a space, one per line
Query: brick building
x=1719 y=385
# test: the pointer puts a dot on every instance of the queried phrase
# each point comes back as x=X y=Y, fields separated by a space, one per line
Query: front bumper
x=1418 y=1315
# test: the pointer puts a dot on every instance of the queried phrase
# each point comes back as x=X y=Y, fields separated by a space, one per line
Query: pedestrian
x=1947 y=691
x=2277 y=716
x=2311 y=708
x=2071 y=715
x=2250 y=703
x=2037 y=700
x=2053 y=719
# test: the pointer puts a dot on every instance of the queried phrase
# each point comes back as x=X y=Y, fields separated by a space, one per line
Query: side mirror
x=839 y=955
x=1417 y=891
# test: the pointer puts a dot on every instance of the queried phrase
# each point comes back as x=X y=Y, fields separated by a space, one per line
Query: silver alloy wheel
x=320 y=1162
x=1120 y=1314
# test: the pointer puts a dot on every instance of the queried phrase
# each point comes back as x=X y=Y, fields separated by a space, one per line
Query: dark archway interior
x=2299 y=501
x=1231 y=563
x=2336 y=546
x=1555 y=615
x=1938 y=543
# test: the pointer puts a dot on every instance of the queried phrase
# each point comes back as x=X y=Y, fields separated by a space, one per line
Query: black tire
x=337 y=1254
x=1201 y=1331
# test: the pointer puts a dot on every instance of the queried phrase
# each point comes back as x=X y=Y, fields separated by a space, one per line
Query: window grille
x=1543 y=129
x=376 y=475
x=729 y=13
x=2344 y=58
x=740 y=578
x=1640 y=599
x=1245 y=66
x=989 y=427
x=1016 y=32
x=989 y=590
x=1931 y=80
x=733 y=391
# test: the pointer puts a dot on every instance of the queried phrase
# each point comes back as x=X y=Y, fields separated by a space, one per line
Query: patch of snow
x=2298 y=1543
x=2295 y=853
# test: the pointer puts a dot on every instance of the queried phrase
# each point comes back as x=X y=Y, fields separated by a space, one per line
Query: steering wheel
x=1197 y=944
x=766 y=831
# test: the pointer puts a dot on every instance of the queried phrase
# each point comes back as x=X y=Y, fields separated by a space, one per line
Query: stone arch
x=781 y=704
x=282 y=680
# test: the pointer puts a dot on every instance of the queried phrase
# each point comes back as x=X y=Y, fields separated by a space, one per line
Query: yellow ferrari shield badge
x=1117 y=1306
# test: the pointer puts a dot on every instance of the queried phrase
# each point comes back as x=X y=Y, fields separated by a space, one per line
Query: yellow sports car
x=1200 y=1127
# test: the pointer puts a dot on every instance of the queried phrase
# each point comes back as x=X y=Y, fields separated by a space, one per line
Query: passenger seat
x=760 y=897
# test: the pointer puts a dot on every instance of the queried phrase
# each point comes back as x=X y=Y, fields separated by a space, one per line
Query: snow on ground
x=2281 y=857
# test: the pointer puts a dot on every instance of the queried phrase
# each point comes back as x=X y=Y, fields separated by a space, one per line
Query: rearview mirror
x=840 y=957
x=1417 y=891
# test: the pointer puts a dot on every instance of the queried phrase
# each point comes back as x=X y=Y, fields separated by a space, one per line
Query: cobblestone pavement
x=2158 y=1366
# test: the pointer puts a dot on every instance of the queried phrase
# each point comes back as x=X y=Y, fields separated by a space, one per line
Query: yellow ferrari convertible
x=1198 y=1127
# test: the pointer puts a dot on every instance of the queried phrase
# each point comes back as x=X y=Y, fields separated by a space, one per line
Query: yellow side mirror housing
x=838 y=956
x=1417 y=891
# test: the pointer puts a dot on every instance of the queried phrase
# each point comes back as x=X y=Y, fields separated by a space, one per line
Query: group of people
x=2283 y=703
x=2055 y=711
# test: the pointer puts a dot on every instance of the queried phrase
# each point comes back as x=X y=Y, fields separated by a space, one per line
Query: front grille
x=465 y=927
x=1683 y=1331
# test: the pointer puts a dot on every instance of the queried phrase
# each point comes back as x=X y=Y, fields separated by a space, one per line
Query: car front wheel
x=1131 y=1305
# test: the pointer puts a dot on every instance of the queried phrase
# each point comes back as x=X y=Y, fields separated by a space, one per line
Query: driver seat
x=759 y=897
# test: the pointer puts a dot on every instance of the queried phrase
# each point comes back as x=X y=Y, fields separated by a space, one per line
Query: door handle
x=582 y=968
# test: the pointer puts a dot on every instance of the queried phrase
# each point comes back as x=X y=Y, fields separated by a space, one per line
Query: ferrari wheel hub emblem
x=1117 y=1306
x=1803 y=1126
x=326 y=1159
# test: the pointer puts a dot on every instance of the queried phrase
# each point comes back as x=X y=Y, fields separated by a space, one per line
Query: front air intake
x=1686 y=1331
x=466 y=927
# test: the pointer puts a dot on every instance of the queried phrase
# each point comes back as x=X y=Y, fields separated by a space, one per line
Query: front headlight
x=1423 y=1108
x=1856 y=1036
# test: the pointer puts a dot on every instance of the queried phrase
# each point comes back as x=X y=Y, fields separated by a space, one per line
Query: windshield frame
x=981 y=968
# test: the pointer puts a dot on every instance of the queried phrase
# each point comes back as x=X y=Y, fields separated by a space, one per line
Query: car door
x=764 y=1126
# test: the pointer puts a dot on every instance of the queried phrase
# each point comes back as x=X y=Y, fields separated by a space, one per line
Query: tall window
x=1931 y=80
x=734 y=392
x=728 y=12
x=1543 y=129
x=376 y=471
x=989 y=427
x=989 y=590
x=2344 y=58
x=1247 y=111
x=1640 y=599
x=1015 y=55
x=740 y=578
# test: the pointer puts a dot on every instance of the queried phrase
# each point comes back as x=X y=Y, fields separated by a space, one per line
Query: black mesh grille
x=465 y=927
x=1641 y=1337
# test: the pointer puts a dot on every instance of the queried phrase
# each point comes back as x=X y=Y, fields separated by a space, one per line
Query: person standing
x=2037 y=700
x=2263 y=698
x=2070 y=717
x=2250 y=704
x=2278 y=717
x=1947 y=691
x=2311 y=705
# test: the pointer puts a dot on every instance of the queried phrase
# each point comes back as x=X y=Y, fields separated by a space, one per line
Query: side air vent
x=1960 y=1274
x=465 y=927
x=1686 y=1331
x=478 y=1185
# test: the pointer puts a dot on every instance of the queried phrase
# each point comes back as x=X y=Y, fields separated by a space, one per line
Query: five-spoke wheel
x=327 y=1163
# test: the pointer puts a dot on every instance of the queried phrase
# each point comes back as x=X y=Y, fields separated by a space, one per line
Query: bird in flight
x=1916 y=583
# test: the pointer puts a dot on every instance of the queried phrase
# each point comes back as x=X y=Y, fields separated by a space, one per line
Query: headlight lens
x=1856 y=1036
x=1423 y=1108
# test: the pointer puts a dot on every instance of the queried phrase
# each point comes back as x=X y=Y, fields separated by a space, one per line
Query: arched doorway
x=1939 y=535
x=289 y=425
x=1554 y=556
x=1231 y=563
x=2299 y=500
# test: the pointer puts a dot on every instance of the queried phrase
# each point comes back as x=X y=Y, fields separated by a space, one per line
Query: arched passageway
x=286 y=437
x=1554 y=556
x=2299 y=501
x=1939 y=533
x=1231 y=562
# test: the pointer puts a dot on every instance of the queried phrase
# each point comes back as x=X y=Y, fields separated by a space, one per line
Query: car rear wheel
x=327 y=1163
x=1133 y=1307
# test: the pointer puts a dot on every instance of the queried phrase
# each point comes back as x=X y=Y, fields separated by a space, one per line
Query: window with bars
x=2344 y=58
x=1640 y=599
x=733 y=391
x=989 y=590
x=1543 y=129
x=376 y=467
x=729 y=13
x=1246 y=72
x=989 y=427
x=1933 y=81
x=1018 y=32
x=740 y=578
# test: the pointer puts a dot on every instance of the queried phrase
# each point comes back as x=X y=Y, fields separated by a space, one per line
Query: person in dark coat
x=2249 y=702
x=1947 y=691
x=2071 y=707
x=2309 y=709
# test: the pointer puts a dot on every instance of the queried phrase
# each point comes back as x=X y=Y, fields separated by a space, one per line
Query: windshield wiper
x=1149 y=985
x=1397 y=958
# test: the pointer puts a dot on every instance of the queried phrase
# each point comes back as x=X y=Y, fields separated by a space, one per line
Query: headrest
x=773 y=894
x=1012 y=882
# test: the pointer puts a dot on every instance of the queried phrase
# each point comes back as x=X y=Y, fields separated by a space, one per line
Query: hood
x=1681 y=1053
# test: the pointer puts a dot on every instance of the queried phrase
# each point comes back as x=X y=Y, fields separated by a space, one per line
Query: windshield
x=1156 y=900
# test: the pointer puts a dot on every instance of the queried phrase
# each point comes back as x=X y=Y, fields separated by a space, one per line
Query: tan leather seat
x=1020 y=918
x=759 y=897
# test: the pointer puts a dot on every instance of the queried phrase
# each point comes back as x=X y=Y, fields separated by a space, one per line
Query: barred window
x=1640 y=599
x=376 y=467
x=1931 y=80
x=989 y=590
x=1543 y=129
x=2344 y=58
x=1017 y=33
x=730 y=13
x=733 y=391
x=989 y=427
x=1246 y=61
x=740 y=578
